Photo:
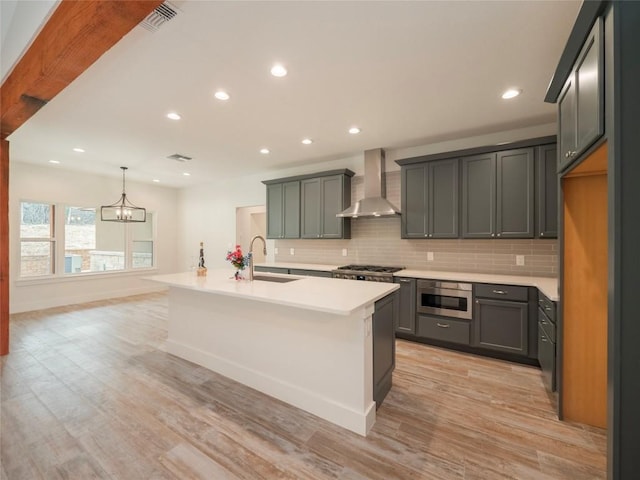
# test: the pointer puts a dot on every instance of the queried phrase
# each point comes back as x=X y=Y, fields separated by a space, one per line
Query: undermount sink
x=266 y=278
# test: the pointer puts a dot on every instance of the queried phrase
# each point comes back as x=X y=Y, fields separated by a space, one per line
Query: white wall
x=52 y=184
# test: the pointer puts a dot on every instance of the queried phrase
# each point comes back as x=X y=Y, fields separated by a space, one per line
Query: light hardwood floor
x=88 y=392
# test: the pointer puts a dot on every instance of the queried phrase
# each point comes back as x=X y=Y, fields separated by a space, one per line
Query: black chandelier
x=123 y=210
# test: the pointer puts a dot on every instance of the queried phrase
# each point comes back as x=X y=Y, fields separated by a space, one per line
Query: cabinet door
x=407 y=309
x=567 y=123
x=274 y=211
x=547 y=180
x=443 y=199
x=514 y=200
x=589 y=97
x=384 y=345
x=331 y=196
x=501 y=325
x=310 y=210
x=291 y=209
x=478 y=196
x=547 y=359
x=414 y=201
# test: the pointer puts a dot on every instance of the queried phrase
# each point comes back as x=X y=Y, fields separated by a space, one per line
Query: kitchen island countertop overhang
x=307 y=342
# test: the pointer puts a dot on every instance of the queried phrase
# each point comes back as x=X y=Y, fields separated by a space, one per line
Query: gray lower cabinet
x=321 y=199
x=283 y=210
x=547 y=341
x=581 y=102
x=384 y=345
x=430 y=200
x=547 y=191
x=261 y=268
x=501 y=325
x=498 y=194
x=407 y=310
x=309 y=273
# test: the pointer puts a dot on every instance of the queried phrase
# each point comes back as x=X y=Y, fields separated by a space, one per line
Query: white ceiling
x=407 y=73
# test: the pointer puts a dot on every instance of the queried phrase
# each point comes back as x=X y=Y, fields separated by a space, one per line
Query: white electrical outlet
x=275 y=250
x=344 y=252
x=292 y=251
x=520 y=260
x=429 y=256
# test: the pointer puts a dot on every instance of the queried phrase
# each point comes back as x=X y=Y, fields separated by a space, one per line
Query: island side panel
x=316 y=361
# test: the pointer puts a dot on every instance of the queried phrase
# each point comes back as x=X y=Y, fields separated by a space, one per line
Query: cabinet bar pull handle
x=404 y=280
x=499 y=292
x=544 y=339
x=443 y=325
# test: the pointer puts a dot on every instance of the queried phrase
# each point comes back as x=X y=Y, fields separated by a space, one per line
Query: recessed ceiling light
x=155 y=180
x=186 y=174
x=307 y=141
x=221 y=95
x=55 y=162
x=79 y=150
x=354 y=130
x=278 y=70
x=173 y=116
x=264 y=151
x=511 y=93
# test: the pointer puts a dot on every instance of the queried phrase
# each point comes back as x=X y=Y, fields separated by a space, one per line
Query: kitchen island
x=323 y=345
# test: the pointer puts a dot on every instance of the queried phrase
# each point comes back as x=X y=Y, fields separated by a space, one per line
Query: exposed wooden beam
x=4 y=247
x=75 y=36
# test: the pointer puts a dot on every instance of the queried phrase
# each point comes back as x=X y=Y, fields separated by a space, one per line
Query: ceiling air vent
x=161 y=15
x=179 y=158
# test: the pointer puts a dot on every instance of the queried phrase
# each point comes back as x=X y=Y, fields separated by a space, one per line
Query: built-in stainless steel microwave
x=449 y=299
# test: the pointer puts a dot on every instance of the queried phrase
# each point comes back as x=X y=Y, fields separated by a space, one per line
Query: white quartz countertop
x=548 y=286
x=302 y=266
x=341 y=297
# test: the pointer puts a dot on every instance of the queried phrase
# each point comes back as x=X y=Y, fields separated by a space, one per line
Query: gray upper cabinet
x=430 y=200
x=581 y=103
x=515 y=193
x=283 y=210
x=547 y=191
x=321 y=199
x=498 y=195
x=479 y=196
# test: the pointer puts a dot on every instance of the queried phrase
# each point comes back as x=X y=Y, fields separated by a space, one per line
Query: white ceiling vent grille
x=179 y=158
x=161 y=15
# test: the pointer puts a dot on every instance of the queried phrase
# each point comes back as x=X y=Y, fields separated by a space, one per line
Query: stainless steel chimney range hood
x=374 y=203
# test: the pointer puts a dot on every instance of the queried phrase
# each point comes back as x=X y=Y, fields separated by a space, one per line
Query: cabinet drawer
x=548 y=326
x=448 y=330
x=502 y=292
x=547 y=306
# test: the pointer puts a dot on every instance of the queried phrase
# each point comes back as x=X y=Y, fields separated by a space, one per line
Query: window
x=142 y=240
x=37 y=239
x=86 y=244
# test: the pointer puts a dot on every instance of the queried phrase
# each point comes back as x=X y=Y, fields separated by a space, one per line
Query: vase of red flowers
x=239 y=261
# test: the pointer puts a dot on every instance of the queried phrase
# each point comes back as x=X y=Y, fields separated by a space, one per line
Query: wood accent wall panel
x=4 y=247
x=75 y=36
x=584 y=301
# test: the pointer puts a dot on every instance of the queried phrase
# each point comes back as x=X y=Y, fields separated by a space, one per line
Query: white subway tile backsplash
x=377 y=241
